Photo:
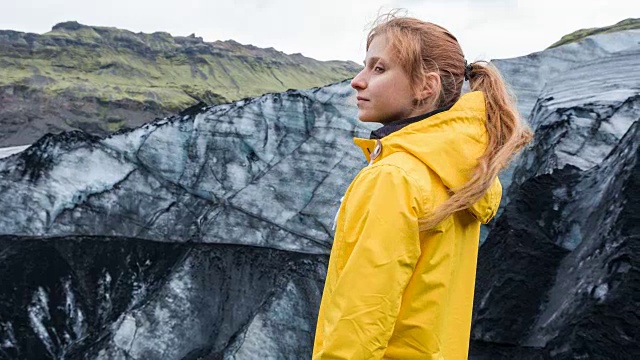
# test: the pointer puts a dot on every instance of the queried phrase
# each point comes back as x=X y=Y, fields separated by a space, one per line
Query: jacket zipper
x=376 y=152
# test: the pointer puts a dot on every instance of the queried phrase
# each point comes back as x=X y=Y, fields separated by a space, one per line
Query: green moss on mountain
x=627 y=24
x=172 y=73
x=103 y=79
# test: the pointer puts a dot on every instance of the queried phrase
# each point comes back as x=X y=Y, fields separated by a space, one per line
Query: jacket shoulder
x=429 y=183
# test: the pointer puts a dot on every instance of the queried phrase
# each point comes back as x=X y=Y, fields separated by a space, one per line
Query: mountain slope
x=100 y=79
x=627 y=24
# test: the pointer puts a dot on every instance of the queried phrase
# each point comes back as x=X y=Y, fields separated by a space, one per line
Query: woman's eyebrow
x=371 y=59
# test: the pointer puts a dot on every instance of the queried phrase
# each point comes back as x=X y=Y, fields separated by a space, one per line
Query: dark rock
x=568 y=287
x=105 y=297
x=68 y=25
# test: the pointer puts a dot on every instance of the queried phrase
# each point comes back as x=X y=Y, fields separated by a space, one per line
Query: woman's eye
x=378 y=69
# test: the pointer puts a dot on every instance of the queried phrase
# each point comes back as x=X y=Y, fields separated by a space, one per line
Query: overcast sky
x=330 y=29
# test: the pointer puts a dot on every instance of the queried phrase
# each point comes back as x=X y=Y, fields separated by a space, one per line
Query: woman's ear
x=430 y=87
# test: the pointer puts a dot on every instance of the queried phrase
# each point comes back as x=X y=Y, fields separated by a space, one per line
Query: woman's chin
x=365 y=117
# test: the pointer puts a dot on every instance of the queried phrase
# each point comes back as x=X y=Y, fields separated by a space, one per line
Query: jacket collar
x=449 y=142
x=394 y=126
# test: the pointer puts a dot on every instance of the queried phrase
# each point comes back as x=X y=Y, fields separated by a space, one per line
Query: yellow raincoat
x=393 y=292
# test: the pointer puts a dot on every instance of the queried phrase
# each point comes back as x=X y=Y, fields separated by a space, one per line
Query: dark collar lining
x=394 y=126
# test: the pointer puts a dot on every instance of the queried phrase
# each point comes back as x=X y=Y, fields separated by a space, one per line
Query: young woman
x=401 y=273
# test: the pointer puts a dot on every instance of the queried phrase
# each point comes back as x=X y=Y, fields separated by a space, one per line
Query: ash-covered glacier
x=264 y=171
x=205 y=235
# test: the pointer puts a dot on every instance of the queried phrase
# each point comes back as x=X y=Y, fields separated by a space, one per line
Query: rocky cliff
x=558 y=273
x=100 y=79
x=579 y=98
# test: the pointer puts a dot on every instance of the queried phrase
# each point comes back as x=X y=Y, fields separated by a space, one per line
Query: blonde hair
x=422 y=47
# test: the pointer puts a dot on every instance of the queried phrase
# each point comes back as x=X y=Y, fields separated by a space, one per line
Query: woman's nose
x=358 y=82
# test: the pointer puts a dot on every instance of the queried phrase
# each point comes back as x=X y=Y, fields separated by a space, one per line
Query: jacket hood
x=449 y=142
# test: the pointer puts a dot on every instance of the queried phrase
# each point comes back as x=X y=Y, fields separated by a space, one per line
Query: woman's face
x=384 y=91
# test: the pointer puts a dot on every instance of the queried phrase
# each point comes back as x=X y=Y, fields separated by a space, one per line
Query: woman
x=402 y=268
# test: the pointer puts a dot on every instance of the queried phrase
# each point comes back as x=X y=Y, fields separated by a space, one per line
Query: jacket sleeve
x=380 y=249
